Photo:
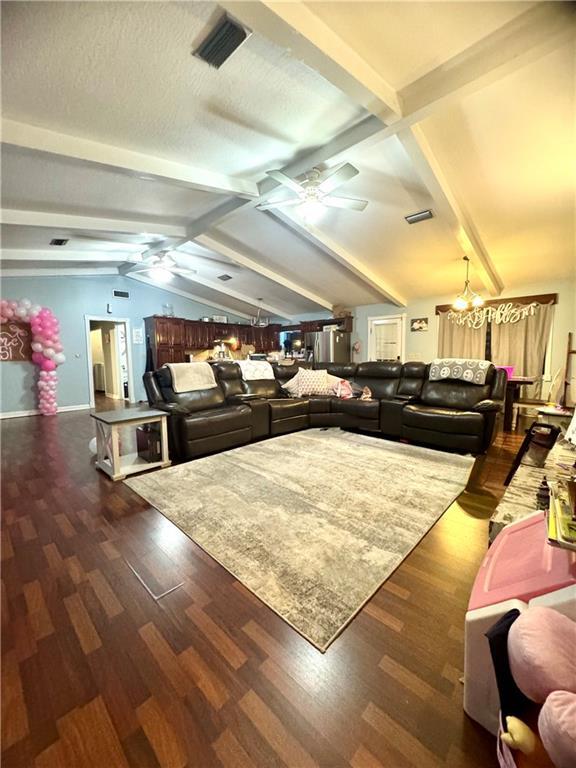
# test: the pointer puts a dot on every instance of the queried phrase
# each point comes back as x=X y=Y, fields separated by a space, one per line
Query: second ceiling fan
x=316 y=189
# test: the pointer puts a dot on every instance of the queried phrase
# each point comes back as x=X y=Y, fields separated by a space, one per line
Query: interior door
x=386 y=338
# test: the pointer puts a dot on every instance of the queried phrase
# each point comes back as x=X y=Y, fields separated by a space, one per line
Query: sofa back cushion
x=197 y=400
x=229 y=377
x=457 y=395
x=413 y=378
x=342 y=370
x=381 y=378
x=284 y=373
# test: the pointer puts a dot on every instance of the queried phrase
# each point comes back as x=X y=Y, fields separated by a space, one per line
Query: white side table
x=109 y=457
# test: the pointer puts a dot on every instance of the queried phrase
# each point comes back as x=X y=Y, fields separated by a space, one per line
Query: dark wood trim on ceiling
x=541 y=298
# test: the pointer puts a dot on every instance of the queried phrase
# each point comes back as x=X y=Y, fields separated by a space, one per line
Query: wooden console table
x=109 y=457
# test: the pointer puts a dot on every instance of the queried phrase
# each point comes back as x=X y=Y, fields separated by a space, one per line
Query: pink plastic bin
x=521 y=565
x=508 y=368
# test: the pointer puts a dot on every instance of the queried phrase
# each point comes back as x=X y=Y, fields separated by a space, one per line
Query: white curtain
x=459 y=340
x=523 y=345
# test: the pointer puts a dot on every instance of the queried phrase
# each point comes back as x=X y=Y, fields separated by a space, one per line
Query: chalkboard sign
x=15 y=338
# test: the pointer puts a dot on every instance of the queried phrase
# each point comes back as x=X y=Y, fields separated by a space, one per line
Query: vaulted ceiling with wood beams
x=119 y=140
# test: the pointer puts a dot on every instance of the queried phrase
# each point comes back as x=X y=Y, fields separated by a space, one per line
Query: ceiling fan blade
x=285 y=180
x=333 y=180
x=280 y=204
x=345 y=202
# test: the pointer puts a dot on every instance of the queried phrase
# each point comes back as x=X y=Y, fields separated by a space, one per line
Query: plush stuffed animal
x=522 y=738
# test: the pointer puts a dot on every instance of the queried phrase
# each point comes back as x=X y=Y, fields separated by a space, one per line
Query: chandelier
x=258 y=321
x=468 y=299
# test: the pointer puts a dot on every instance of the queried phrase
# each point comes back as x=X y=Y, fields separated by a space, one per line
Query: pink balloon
x=37 y=357
x=58 y=346
x=12 y=304
x=48 y=365
x=9 y=312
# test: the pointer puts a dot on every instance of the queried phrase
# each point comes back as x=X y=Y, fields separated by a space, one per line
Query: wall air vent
x=224 y=277
x=221 y=43
x=59 y=241
x=414 y=218
x=120 y=294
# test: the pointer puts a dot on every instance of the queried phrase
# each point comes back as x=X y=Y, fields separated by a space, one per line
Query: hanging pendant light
x=259 y=321
x=468 y=299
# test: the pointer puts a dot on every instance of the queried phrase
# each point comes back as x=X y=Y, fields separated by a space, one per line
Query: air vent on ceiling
x=414 y=218
x=224 y=277
x=120 y=294
x=221 y=43
x=58 y=241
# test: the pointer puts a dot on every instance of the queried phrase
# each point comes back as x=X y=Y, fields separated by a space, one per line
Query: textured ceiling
x=36 y=182
x=405 y=40
x=510 y=151
x=122 y=73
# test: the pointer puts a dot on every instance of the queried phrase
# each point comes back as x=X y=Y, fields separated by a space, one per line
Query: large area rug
x=313 y=522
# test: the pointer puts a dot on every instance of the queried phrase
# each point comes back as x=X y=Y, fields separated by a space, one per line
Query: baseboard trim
x=36 y=412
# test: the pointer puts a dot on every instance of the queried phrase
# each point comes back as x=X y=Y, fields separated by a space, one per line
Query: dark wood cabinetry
x=172 y=339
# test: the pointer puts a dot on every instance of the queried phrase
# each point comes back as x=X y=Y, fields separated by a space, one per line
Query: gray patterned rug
x=312 y=522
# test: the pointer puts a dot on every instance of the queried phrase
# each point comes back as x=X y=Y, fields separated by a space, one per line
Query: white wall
x=424 y=345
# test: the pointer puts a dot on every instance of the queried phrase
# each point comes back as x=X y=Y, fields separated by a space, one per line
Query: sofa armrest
x=247 y=398
x=173 y=408
x=406 y=398
x=488 y=406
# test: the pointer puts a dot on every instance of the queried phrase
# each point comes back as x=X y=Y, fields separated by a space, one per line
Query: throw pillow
x=313 y=383
x=291 y=386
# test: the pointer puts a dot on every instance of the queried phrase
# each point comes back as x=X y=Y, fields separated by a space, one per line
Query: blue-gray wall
x=71 y=298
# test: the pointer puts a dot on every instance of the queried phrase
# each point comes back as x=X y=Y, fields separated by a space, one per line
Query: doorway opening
x=386 y=337
x=109 y=362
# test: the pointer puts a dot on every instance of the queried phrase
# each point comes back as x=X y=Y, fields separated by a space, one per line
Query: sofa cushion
x=443 y=419
x=458 y=395
x=360 y=409
x=216 y=421
x=197 y=400
x=319 y=404
x=381 y=378
x=413 y=377
x=288 y=408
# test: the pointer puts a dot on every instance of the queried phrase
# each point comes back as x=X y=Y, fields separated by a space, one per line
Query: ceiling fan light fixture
x=160 y=274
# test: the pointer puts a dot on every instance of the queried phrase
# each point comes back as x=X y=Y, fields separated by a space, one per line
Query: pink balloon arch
x=46 y=346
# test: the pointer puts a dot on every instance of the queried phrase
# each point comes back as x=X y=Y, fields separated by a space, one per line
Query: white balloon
x=48 y=352
x=36 y=346
x=21 y=312
x=92 y=446
x=26 y=303
x=34 y=309
x=59 y=358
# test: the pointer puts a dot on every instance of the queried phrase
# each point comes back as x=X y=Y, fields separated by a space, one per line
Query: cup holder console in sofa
x=451 y=414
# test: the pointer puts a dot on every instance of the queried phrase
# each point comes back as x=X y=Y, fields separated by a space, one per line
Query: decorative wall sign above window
x=502 y=313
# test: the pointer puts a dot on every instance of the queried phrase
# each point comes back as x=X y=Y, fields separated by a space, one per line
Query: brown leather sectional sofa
x=454 y=415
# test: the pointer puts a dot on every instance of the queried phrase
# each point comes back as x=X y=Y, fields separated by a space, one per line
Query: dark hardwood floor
x=98 y=672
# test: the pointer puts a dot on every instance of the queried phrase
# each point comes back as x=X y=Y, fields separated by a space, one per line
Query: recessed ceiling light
x=414 y=218
x=58 y=241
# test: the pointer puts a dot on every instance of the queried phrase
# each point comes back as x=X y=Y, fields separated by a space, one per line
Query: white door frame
x=402 y=318
x=116 y=320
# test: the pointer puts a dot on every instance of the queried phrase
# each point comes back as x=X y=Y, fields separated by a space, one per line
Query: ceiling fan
x=315 y=190
x=161 y=266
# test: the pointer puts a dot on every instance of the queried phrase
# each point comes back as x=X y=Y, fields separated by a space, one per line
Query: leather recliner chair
x=201 y=421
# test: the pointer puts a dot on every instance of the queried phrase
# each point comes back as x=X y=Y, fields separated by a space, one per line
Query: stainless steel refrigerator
x=328 y=346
